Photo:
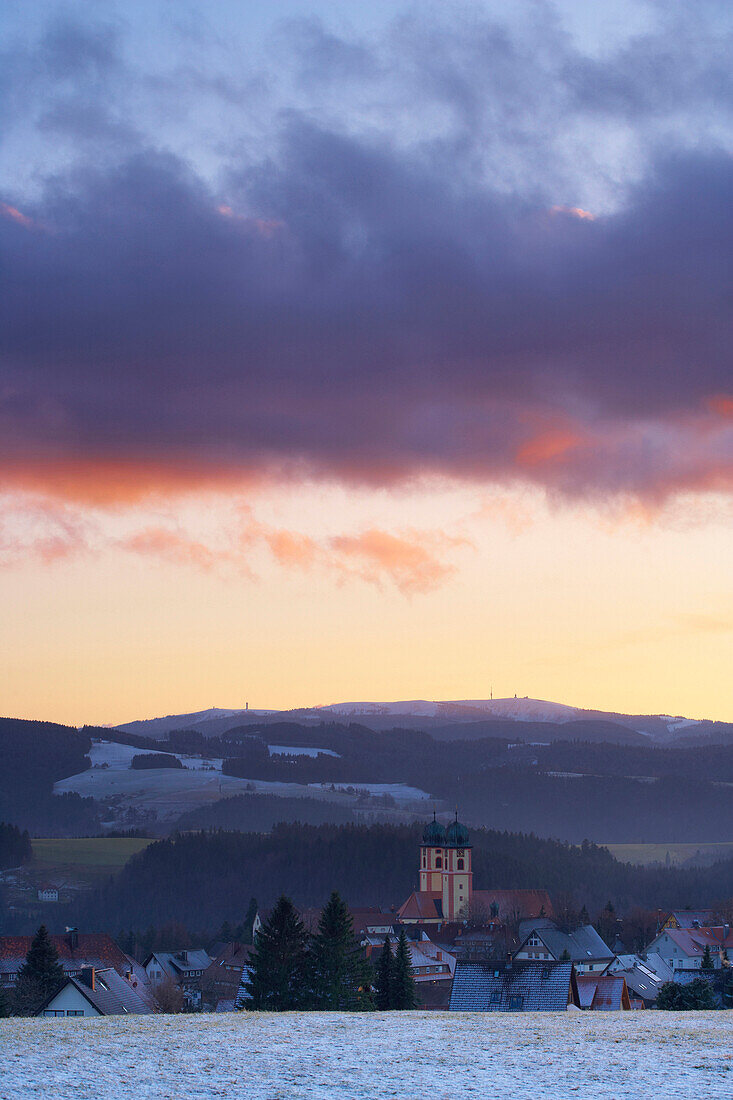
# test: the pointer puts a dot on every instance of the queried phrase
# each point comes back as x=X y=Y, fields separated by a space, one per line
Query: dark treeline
x=34 y=756
x=15 y=846
x=261 y=812
x=206 y=879
x=607 y=809
x=146 y=761
x=713 y=762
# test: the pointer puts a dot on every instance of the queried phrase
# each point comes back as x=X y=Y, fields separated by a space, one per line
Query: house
x=644 y=975
x=185 y=968
x=95 y=993
x=684 y=948
x=446 y=890
x=430 y=962
x=48 y=893
x=583 y=947
x=603 y=992
x=514 y=987
x=220 y=982
x=76 y=950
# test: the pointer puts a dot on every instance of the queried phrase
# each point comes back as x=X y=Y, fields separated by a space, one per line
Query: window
x=74 y=1012
x=53 y=1012
x=460 y=864
x=439 y=862
x=590 y=966
x=495 y=997
x=546 y=972
x=534 y=941
x=516 y=1003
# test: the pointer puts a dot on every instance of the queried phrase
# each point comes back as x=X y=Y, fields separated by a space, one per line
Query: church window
x=439 y=862
x=460 y=864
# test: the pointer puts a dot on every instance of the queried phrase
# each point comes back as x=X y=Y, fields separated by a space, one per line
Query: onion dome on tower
x=434 y=833
x=456 y=835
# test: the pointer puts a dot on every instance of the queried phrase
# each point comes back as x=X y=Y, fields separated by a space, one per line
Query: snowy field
x=118 y=757
x=405 y=1056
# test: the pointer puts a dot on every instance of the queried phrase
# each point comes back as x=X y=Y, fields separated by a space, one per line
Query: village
x=466 y=949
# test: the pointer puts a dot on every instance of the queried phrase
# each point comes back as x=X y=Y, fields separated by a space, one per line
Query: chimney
x=88 y=977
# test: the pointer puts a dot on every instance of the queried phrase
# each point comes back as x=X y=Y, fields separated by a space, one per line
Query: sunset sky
x=365 y=354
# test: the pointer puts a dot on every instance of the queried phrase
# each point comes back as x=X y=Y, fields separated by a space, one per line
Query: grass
x=678 y=853
x=84 y=858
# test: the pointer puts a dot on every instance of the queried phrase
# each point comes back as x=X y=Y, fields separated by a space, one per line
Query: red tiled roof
x=694 y=940
x=525 y=903
x=603 y=992
x=422 y=905
x=96 y=949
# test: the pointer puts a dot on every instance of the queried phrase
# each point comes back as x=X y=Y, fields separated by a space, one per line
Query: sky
x=365 y=352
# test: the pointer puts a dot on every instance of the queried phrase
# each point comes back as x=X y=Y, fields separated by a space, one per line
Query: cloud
x=38 y=529
x=412 y=563
x=353 y=303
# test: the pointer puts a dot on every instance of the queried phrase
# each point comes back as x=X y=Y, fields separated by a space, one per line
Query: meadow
x=645 y=854
x=83 y=858
x=532 y=1056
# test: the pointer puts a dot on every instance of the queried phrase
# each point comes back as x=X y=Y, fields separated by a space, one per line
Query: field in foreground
x=600 y=1056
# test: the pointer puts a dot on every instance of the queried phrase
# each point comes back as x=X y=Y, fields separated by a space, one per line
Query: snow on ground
x=324 y=1056
x=522 y=710
x=119 y=756
x=299 y=750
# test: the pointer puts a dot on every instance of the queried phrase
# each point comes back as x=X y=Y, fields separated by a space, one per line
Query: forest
x=203 y=879
x=34 y=756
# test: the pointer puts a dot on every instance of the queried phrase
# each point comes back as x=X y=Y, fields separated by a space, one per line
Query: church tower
x=445 y=866
x=457 y=873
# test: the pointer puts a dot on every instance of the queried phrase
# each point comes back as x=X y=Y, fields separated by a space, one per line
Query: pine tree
x=404 y=994
x=707 y=959
x=342 y=978
x=39 y=976
x=385 y=976
x=279 y=981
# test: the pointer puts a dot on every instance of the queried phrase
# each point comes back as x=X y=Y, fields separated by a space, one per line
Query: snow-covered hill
x=521 y=710
x=216 y=720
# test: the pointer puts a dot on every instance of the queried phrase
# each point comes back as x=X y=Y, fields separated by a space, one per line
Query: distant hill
x=478 y=717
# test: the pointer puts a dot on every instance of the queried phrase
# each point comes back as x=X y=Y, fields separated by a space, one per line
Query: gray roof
x=521 y=987
x=644 y=976
x=583 y=945
x=112 y=995
x=174 y=964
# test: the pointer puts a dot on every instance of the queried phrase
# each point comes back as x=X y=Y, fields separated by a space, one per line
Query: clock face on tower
x=459 y=852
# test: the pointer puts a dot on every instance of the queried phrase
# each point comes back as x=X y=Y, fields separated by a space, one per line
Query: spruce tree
x=707 y=959
x=279 y=980
x=404 y=994
x=341 y=976
x=385 y=974
x=39 y=976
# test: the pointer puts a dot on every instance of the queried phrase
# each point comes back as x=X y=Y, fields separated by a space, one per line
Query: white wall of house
x=69 y=1002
